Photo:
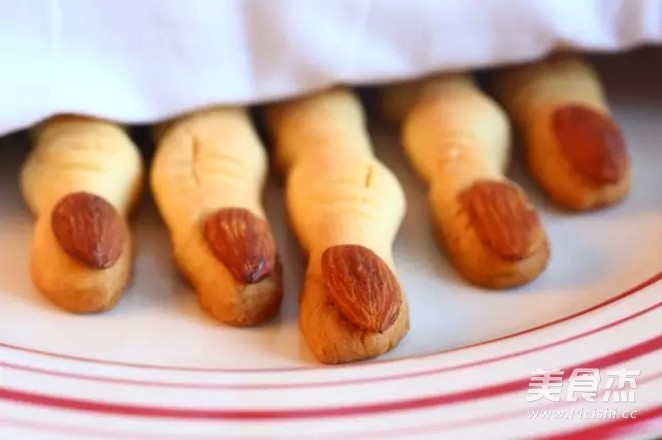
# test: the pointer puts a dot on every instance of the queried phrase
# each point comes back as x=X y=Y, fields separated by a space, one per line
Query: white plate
x=157 y=367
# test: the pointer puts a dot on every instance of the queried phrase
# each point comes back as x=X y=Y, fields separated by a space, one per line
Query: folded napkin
x=142 y=61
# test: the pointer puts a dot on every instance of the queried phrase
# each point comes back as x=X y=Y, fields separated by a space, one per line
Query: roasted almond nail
x=502 y=218
x=243 y=242
x=592 y=142
x=361 y=286
x=89 y=229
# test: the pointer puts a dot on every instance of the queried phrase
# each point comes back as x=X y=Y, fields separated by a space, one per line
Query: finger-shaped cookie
x=345 y=207
x=207 y=178
x=81 y=181
x=458 y=141
x=574 y=147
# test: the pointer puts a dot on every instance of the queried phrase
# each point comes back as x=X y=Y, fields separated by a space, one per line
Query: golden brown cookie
x=575 y=149
x=457 y=139
x=207 y=178
x=345 y=208
x=81 y=181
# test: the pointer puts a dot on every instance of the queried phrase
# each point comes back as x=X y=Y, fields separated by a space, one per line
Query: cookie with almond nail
x=575 y=149
x=207 y=177
x=81 y=181
x=352 y=306
x=458 y=141
x=345 y=208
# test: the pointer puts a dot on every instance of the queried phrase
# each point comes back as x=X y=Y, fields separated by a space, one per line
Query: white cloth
x=139 y=61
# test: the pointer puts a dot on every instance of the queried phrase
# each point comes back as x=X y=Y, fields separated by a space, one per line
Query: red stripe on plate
x=268 y=386
x=511 y=415
x=75 y=404
x=391 y=433
x=650 y=281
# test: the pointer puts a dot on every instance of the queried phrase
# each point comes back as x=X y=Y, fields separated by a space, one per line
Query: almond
x=592 y=142
x=89 y=229
x=502 y=218
x=361 y=286
x=243 y=242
